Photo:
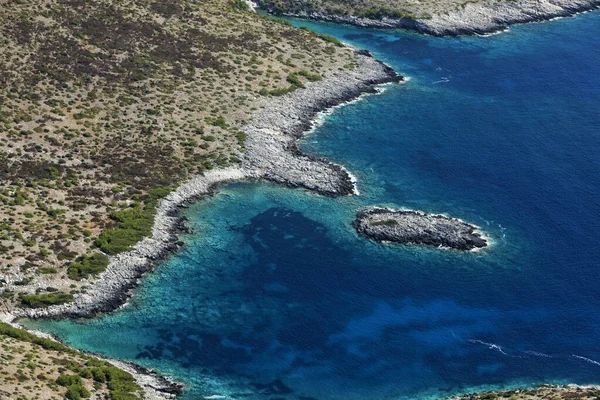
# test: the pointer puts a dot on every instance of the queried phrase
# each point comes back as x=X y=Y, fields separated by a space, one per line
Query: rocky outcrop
x=417 y=228
x=475 y=18
x=271 y=145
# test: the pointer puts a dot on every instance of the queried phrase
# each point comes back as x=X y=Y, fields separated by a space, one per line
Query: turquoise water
x=275 y=297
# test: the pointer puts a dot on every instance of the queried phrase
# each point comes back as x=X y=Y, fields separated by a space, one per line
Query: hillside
x=106 y=106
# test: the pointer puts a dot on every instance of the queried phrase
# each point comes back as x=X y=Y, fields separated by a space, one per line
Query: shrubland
x=106 y=106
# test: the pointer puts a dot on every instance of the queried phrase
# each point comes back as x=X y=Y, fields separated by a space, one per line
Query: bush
x=239 y=5
x=22 y=334
x=293 y=79
x=378 y=13
x=68 y=380
x=132 y=224
x=86 y=266
x=120 y=383
x=309 y=76
x=45 y=299
x=77 y=392
x=74 y=385
x=330 y=39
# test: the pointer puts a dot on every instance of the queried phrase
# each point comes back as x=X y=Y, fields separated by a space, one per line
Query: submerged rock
x=416 y=227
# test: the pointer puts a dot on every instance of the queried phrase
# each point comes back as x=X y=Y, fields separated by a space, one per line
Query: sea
x=275 y=297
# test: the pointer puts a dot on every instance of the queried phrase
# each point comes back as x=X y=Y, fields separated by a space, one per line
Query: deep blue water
x=275 y=297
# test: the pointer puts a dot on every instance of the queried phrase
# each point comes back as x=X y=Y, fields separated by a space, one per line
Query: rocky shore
x=555 y=392
x=417 y=228
x=154 y=385
x=474 y=18
x=271 y=144
x=271 y=153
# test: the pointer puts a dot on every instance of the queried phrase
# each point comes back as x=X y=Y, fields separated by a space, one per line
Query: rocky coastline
x=555 y=392
x=473 y=19
x=155 y=386
x=271 y=154
x=417 y=228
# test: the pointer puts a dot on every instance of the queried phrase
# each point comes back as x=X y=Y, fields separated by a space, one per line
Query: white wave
x=585 y=359
x=538 y=354
x=444 y=79
x=491 y=346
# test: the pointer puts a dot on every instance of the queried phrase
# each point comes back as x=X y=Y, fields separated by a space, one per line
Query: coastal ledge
x=417 y=228
x=474 y=18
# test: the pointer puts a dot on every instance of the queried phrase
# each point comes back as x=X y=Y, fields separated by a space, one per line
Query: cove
x=274 y=296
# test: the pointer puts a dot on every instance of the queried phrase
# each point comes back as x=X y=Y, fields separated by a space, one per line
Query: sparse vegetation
x=52 y=370
x=553 y=392
x=87 y=265
x=105 y=104
x=45 y=299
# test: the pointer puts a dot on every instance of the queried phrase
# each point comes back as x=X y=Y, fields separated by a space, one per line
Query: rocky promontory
x=442 y=18
x=417 y=228
x=272 y=135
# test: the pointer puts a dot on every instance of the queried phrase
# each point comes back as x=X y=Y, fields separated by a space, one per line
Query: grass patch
x=295 y=83
x=23 y=335
x=380 y=12
x=132 y=224
x=87 y=265
x=45 y=299
x=330 y=39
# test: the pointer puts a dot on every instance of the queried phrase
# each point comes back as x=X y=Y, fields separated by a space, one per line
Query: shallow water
x=274 y=296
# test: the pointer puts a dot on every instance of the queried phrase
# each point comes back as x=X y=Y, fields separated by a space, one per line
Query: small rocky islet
x=417 y=228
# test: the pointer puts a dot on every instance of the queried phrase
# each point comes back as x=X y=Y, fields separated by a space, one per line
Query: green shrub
x=22 y=334
x=132 y=224
x=68 y=380
x=120 y=383
x=87 y=265
x=99 y=375
x=239 y=5
x=77 y=392
x=293 y=79
x=46 y=270
x=309 y=76
x=330 y=39
x=379 y=13
x=45 y=299
x=85 y=373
